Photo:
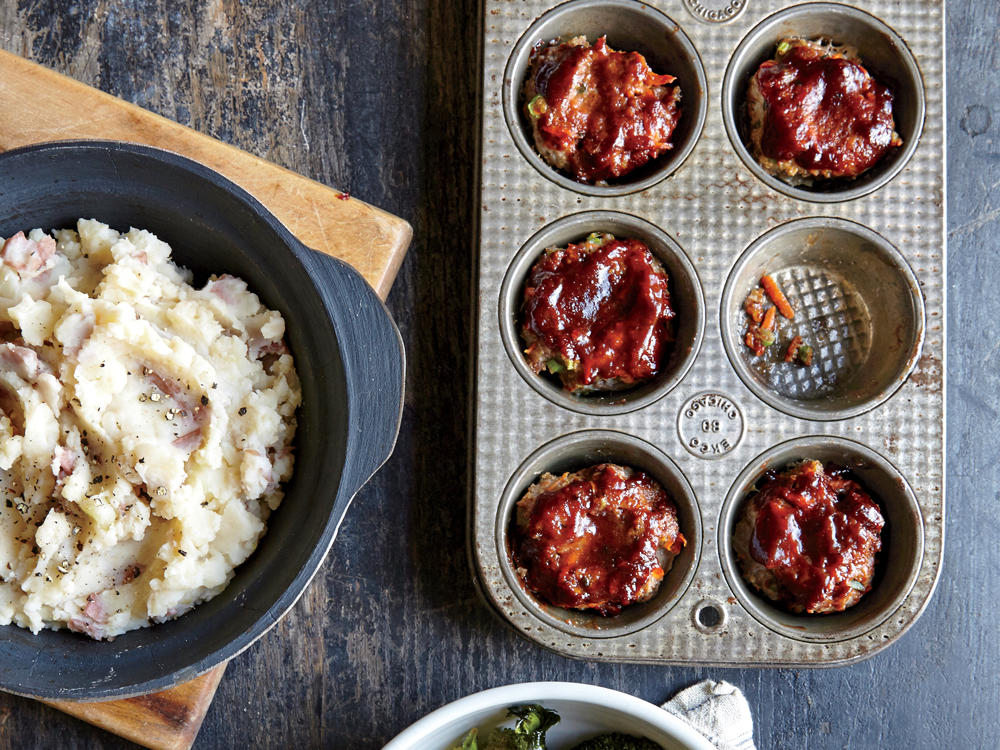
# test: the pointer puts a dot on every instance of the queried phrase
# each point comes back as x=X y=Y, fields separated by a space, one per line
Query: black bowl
x=349 y=358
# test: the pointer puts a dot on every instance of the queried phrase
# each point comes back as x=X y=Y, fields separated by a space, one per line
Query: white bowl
x=584 y=711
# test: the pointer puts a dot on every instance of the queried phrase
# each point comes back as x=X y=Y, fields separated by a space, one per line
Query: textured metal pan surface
x=714 y=207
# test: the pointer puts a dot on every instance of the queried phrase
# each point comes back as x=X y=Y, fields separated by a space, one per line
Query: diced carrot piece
x=777 y=296
x=768 y=324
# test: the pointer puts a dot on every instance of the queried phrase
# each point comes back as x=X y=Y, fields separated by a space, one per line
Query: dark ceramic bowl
x=349 y=358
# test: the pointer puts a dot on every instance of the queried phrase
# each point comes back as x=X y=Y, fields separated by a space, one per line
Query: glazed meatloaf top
x=815 y=112
x=600 y=539
x=808 y=539
x=597 y=113
x=597 y=314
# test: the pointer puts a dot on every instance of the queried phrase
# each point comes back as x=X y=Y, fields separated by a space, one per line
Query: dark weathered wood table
x=378 y=98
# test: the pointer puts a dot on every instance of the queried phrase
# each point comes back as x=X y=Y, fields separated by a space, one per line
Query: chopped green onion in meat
x=537 y=106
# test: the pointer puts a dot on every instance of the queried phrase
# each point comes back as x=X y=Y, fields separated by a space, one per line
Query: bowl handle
x=374 y=365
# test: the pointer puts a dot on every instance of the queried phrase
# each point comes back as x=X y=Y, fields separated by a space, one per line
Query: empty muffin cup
x=629 y=27
x=883 y=54
x=856 y=303
x=686 y=300
x=897 y=564
x=581 y=450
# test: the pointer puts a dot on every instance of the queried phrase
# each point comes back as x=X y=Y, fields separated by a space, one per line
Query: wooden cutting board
x=371 y=240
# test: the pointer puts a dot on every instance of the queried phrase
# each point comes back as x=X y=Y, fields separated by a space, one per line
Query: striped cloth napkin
x=719 y=711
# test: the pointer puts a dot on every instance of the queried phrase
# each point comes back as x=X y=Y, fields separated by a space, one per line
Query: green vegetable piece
x=537 y=106
x=508 y=739
x=528 y=734
x=783 y=48
x=804 y=354
x=597 y=239
x=534 y=718
x=554 y=366
x=469 y=741
x=765 y=336
x=617 y=741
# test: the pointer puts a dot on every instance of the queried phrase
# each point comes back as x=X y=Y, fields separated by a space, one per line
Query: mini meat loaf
x=597 y=539
x=597 y=314
x=816 y=113
x=598 y=114
x=808 y=539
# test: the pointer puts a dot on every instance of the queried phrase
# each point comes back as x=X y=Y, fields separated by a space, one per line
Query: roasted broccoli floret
x=528 y=734
x=617 y=741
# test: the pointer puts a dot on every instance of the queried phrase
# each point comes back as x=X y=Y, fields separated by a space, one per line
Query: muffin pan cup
x=629 y=26
x=686 y=300
x=871 y=260
x=859 y=307
x=897 y=564
x=580 y=450
x=883 y=54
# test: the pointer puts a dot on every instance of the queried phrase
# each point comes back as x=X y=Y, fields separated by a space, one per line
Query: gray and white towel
x=719 y=711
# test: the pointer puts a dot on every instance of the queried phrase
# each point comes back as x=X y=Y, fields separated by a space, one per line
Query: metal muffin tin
x=864 y=267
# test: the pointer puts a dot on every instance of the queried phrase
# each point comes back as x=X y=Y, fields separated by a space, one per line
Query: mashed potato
x=145 y=428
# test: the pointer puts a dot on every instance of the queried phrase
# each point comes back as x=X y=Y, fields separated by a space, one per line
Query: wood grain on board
x=168 y=720
x=371 y=240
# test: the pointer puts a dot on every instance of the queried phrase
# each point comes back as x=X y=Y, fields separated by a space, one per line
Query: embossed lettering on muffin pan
x=869 y=257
